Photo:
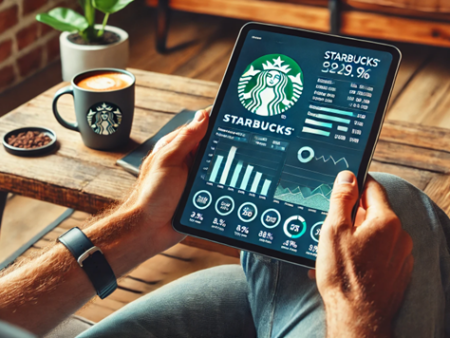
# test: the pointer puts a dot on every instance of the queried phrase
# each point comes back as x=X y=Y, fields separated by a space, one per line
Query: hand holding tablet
x=294 y=109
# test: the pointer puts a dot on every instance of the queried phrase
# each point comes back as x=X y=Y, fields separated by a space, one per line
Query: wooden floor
x=420 y=95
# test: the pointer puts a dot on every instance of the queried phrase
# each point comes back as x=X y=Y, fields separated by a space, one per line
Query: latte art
x=105 y=82
x=100 y=83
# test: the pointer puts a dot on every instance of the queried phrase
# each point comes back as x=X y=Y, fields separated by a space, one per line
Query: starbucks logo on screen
x=270 y=85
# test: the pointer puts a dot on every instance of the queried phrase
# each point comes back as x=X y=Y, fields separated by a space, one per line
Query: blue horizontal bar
x=315 y=131
x=331 y=118
x=333 y=110
x=318 y=123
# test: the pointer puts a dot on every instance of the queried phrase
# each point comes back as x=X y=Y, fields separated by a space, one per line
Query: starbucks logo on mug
x=104 y=118
x=270 y=85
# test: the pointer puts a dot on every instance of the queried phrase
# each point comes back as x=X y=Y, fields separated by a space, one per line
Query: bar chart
x=333 y=123
x=245 y=167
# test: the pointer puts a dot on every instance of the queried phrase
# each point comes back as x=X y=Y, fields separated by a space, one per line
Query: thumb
x=343 y=198
x=187 y=139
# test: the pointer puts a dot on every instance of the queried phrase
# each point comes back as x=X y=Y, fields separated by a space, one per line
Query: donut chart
x=315 y=231
x=295 y=226
x=301 y=154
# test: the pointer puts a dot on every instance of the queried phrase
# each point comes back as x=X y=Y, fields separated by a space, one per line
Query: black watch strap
x=92 y=260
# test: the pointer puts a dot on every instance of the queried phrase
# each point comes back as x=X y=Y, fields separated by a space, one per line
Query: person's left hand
x=40 y=294
x=162 y=180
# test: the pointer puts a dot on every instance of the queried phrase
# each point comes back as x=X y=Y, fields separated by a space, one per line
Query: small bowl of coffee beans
x=29 y=141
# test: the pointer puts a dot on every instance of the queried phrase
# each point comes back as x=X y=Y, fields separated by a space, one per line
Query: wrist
x=124 y=237
x=350 y=319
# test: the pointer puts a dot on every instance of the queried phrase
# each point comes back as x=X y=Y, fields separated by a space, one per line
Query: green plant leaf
x=110 y=6
x=63 y=19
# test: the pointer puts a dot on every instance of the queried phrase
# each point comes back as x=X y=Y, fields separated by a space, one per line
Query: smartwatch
x=91 y=259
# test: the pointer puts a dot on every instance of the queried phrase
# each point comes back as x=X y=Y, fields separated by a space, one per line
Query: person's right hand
x=362 y=270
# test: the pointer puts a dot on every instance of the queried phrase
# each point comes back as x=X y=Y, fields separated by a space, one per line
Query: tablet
x=294 y=109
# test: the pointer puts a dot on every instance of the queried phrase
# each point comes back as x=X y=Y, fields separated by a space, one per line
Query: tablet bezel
x=368 y=151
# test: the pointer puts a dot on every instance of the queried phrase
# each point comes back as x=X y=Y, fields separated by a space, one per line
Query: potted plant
x=84 y=44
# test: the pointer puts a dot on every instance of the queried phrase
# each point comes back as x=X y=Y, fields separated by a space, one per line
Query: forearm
x=40 y=294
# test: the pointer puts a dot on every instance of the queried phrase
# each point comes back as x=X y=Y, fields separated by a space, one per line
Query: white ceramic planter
x=77 y=58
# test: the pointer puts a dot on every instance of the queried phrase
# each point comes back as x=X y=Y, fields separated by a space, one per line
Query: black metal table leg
x=334 y=7
x=162 y=25
x=16 y=254
x=3 y=197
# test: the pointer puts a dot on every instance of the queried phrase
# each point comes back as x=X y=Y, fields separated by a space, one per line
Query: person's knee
x=396 y=187
x=419 y=215
x=403 y=196
x=196 y=301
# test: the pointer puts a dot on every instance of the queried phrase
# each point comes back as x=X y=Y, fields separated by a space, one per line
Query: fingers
x=312 y=274
x=403 y=279
x=169 y=138
x=339 y=219
x=374 y=197
x=360 y=216
x=407 y=269
x=187 y=139
x=165 y=140
x=162 y=142
x=343 y=199
x=402 y=250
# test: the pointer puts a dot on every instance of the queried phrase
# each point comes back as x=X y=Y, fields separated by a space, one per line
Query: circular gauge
x=295 y=226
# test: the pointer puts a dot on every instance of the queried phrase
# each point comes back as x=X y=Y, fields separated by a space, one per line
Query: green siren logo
x=270 y=85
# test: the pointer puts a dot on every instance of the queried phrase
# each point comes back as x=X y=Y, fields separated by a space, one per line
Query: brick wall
x=26 y=45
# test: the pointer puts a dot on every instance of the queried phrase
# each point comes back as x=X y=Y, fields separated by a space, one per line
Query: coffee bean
x=29 y=140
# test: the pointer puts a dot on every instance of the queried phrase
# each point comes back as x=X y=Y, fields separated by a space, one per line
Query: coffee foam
x=105 y=81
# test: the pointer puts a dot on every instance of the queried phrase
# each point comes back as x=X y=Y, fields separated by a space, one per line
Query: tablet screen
x=296 y=112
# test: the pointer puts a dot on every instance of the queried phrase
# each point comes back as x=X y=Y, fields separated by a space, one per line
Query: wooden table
x=89 y=180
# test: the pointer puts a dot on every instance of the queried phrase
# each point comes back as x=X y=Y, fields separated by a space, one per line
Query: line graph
x=342 y=159
x=320 y=158
x=309 y=172
x=317 y=197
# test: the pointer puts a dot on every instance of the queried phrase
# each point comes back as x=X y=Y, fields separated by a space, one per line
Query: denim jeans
x=269 y=298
